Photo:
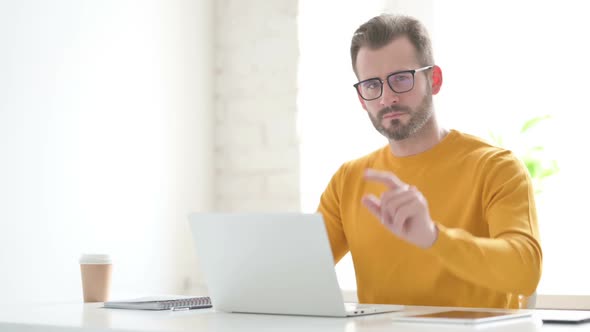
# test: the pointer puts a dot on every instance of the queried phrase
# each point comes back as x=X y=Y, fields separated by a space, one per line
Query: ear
x=437 y=79
x=362 y=101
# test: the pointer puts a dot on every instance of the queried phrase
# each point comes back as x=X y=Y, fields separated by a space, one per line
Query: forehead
x=398 y=55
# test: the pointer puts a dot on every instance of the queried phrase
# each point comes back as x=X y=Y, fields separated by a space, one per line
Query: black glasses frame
x=413 y=72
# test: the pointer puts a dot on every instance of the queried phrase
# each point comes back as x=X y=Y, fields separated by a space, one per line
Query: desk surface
x=91 y=317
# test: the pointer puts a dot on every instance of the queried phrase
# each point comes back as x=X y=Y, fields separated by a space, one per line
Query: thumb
x=373 y=204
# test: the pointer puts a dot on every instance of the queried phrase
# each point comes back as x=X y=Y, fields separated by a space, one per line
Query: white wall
x=257 y=152
x=105 y=141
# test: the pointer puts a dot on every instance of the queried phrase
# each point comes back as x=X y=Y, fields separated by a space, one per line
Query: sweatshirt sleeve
x=331 y=212
x=510 y=259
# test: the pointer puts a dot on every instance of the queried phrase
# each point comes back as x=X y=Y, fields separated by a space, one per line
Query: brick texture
x=256 y=144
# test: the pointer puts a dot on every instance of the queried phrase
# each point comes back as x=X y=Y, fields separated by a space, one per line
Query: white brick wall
x=256 y=149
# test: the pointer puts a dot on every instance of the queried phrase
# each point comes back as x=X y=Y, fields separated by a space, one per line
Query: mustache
x=393 y=109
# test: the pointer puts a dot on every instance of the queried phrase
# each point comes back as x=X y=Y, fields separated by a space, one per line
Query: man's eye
x=402 y=78
x=371 y=85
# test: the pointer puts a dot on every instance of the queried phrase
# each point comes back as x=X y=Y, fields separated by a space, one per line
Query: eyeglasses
x=400 y=82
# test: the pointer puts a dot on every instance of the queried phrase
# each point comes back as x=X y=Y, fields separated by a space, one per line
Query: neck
x=426 y=138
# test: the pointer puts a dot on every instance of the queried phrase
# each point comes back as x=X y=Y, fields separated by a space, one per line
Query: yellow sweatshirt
x=481 y=199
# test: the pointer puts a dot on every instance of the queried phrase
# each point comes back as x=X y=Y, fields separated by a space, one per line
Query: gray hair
x=383 y=29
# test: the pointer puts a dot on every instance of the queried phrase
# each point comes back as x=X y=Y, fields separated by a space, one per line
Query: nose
x=388 y=97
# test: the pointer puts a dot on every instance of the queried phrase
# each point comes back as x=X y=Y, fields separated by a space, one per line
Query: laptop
x=277 y=263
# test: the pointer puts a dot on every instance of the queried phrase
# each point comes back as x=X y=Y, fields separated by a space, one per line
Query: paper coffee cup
x=96 y=270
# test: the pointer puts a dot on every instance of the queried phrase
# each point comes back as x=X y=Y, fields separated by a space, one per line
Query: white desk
x=90 y=317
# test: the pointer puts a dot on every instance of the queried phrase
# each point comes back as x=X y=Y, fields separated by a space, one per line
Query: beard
x=397 y=130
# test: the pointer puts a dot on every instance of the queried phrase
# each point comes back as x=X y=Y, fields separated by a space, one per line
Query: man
x=436 y=217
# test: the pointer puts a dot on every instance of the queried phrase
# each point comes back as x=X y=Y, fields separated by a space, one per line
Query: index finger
x=387 y=178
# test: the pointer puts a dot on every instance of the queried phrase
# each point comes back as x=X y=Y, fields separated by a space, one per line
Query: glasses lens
x=370 y=89
x=401 y=82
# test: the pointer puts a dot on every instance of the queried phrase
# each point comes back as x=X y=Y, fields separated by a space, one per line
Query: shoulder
x=474 y=144
x=479 y=150
x=496 y=166
x=359 y=165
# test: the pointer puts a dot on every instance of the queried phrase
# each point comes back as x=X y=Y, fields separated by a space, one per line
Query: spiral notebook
x=174 y=302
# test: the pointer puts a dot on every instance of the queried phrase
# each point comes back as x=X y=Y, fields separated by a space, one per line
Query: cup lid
x=95 y=259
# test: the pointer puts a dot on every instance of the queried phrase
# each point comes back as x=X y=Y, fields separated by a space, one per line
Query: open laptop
x=272 y=264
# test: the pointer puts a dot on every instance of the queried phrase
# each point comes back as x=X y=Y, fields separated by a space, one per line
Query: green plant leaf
x=533 y=167
x=496 y=139
x=533 y=122
x=547 y=171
